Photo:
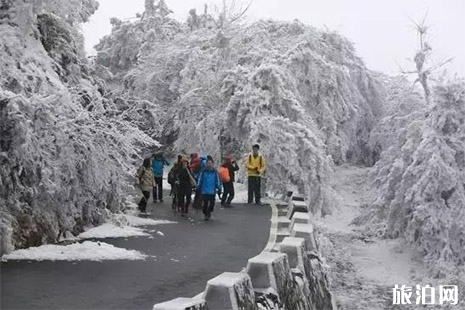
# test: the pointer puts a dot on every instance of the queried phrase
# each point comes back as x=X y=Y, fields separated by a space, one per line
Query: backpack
x=197 y=167
x=203 y=163
x=224 y=175
x=172 y=175
x=139 y=178
x=260 y=160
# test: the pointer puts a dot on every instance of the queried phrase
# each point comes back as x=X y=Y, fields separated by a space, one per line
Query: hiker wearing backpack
x=209 y=184
x=197 y=165
x=173 y=180
x=145 y=182
x=186 y=183
x=157 y=166
x=227 y=174
x=255 y=164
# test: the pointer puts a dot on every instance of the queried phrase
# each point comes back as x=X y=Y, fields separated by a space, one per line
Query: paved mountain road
x=190 y=253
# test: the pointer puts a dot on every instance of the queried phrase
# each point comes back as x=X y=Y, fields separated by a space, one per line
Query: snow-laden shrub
x=402 y=107
x=421 y=178
x=65 y=151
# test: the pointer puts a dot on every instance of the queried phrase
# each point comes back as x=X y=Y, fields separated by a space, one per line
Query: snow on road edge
x=88 y=250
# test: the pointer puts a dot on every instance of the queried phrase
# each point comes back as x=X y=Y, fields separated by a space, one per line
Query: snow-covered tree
x=225 y=83
x=421 y=178
x=65 y=146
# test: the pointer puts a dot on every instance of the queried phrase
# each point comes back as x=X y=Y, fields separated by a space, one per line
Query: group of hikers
x=197 y=174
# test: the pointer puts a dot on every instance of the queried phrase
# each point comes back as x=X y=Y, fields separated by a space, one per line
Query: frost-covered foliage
x=402 y=107
x=421 y=175
x=129 y=41
x=300 y=92
x=65 y=148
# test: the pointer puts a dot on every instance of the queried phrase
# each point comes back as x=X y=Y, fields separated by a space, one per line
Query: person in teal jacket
x=157 y=166
x=209 y=184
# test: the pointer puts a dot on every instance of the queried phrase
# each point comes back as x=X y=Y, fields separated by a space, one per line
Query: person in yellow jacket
x=255 y=164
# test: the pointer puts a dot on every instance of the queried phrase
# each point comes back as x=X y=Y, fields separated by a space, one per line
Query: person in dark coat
x=186 y=183
x=209 y=184
x=228 y=192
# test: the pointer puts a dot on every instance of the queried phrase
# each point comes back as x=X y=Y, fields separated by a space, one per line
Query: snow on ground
x=88 y=250
x=112 y=231
x=241 y=192
x=119 y=226
x=132 y=220
x=364 y=269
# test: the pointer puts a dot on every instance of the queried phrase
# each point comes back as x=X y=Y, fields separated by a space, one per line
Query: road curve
x=190 y=253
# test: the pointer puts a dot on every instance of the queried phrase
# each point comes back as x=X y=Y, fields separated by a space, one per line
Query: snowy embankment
x=364 y=267
x=119 y=226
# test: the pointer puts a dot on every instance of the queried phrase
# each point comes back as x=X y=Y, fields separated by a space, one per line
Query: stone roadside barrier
x=289 y=274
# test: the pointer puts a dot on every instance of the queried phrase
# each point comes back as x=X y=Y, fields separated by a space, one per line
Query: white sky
x=380 y=29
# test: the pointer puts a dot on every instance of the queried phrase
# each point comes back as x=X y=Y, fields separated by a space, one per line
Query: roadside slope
x=364 y=267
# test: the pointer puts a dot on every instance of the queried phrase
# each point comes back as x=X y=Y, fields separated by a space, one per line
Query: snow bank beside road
x=121 y=226
x=88 y=250
x=112 y=231
x=132 y=220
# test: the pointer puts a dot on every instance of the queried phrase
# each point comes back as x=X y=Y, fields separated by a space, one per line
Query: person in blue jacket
x=157 y=166
x=209 y=184
x=198 y=164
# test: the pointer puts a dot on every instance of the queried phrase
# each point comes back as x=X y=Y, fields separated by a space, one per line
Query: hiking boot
x=161 y=200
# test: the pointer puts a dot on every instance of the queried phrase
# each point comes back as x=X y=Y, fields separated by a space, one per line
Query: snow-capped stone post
x=182 y=303
x=296 y=253
x=295 y=250
x=297 y=206
x=230 y=291
x=318 y=283
x=272 y=280
x=299 y=218
x=305 y=231
x=298 y=197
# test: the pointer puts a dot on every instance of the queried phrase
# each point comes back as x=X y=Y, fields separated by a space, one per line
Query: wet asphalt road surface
x=190 y=253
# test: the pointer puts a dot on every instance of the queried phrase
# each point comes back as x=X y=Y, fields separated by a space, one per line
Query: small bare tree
x=422 y=58
x=230 y=12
